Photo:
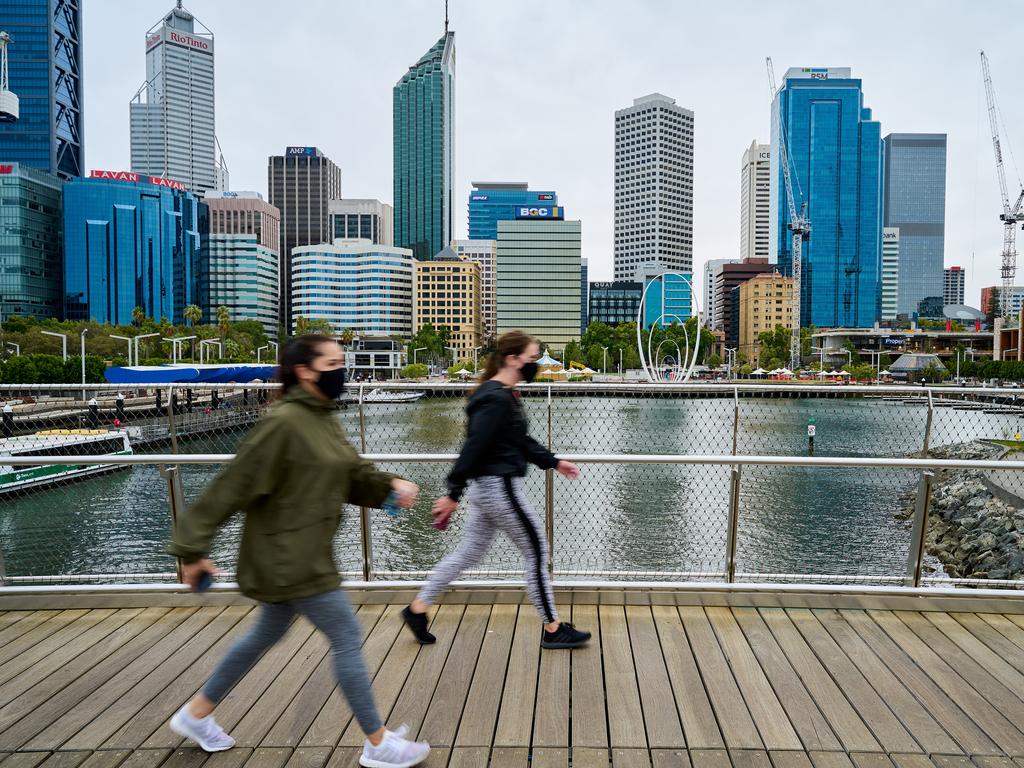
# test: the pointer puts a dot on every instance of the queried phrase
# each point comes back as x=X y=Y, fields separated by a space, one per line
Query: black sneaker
x=417 y=623
x=566 y=636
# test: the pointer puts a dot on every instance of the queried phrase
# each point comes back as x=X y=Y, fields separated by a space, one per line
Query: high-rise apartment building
x=835 y=153
x=354 y=285
x=447 y=294
x=45 y=72
x=539 y=279
x=424 y=151
x=755 y=201
x=301 y=182
x=890 y=273
x=653 y=186
x=954 y=285
x=494 y=201
x=133 y=241
x=727 y=279
x=484 y=253
x=765 y=303
x=353 y=219
x=244 y=248
x=712 y=268
x=993 y=293
x=915 y=202
x=31 y=242
x=172 y=114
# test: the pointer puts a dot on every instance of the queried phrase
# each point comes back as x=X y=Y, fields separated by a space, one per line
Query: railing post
x=735 y=418
x=549 y=500
x=928 y=424
x=922 y=504
x=734 y=523
x=365 y=530
x=3 y=569
x=175 y=500
x=172 y=429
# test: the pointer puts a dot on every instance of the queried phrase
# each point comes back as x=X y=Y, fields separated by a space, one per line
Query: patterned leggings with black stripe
x=499 y=504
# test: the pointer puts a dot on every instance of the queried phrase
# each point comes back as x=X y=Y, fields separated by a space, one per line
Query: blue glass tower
x=494 y=201
x=131 y=243
x=424 y=151
x=835 y=151
x=670 y=298
x=915 y=201
x=45 y=69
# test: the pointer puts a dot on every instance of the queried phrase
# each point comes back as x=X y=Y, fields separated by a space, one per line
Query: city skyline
x=563 y=138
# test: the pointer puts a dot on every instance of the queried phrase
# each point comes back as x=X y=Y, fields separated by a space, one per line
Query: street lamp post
x=277 y=349
x=124 y=338
x=211 y=342
x=418 y=349
x=84 y=331
x=455 y=351
x=730 y=360
x=17 y=348
x=174 y=346
x=135 y=343
x=259 y=353
x=620 y=362
x=64 y=341
x=604 y=360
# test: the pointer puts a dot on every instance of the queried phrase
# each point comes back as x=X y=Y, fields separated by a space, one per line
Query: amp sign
x=555 y=212
x=300 y=151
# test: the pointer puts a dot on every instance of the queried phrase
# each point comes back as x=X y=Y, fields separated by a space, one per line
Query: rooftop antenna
x=8 y=99
x=445 y=16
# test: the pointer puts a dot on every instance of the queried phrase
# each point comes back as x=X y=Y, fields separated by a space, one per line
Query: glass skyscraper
x=835 y=153
x=130 y=241
x=45 y=70
x=494 y=201
x=424 y=151
x=915 y=202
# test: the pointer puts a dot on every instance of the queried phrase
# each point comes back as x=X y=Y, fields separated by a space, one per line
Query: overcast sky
x=537 y=85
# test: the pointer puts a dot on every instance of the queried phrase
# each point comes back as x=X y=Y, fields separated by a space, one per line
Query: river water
x=652 y=517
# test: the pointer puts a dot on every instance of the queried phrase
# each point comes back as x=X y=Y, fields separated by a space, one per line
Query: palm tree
x=193 y=314
x=223 y=322
x=346 y=336
x=138 y=316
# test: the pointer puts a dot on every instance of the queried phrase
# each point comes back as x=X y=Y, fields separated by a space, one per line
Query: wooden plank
x=810 y=724
x=670 y=758
x=309 y=757
x=709 y=758
x=321 y=689
x=991 y=761
x=7 y=618
x=589 y=723
x=996 y=665
x=589 y=757
x=916 y=718
x=841 y=716
x=952 y=761
x=1005 y=627
x=749 y=758
x=661 y=717
x=470 y=757
x=148 y=729
x=192 y=757
x=942 y=707
x=631 y=758
x=146 y=758
x=1006 y=649
x=515 y=714
x=232 y=758
x=107 y=758
x=914 y=761
x=622 y=694
x=25 y=759
x=550 y=757
x=55 y=623
x=789 y=759
x=132 y=703
x=830 y=760
x=104 y=686
x=481 y=716
x=551 y=715
x=871 y=760
x=700 y=728
x=71 y=759
x=445 y=708
x=769 y=715
x=28 y=620
x=49 y=699
x=974 y=705
x=886 y=727
x=738 y=729
x=510 y=757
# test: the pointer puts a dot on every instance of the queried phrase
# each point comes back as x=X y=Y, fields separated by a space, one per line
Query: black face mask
x=528 y=372
x=332 y=383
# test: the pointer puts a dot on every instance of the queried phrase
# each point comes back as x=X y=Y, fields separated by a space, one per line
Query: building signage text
x=548 y=212
x=134 y=177
x=478 y=198
x=304 y=151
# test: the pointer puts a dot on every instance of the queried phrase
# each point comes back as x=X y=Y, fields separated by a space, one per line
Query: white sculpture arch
x=646 y=361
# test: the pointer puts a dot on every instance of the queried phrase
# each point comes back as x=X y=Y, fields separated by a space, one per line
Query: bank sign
x=555 y=212
x=135 y=177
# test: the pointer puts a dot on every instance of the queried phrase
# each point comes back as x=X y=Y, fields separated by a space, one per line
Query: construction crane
x=799 y=225
x=1012 y=214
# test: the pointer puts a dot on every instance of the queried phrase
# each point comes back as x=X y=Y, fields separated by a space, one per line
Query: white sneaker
x=203 y=731
x=394 y=751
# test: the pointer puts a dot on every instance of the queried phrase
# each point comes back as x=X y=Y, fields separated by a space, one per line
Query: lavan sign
x=556 y=212
x=135 y=177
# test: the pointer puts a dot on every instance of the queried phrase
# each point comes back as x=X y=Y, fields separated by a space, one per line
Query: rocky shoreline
x=973 y=533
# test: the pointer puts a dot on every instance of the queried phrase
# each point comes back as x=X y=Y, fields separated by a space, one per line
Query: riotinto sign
x=540 y=212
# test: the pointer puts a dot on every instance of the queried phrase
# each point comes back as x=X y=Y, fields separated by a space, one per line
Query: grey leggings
x=498 y=504
x=332 y=614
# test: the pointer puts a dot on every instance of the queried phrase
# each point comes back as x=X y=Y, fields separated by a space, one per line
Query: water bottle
x=391 y=505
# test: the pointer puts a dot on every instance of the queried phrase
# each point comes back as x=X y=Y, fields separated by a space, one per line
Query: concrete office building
x=447 y=293
x=302 y=182
x=993 y=292
x=730 y=276
x=133 y=241
x=355 y=219
x=424 y=151
x=354 y=285
x=614 y=303
x=712 y=268
x=915 y=202
x=45 y=72
x=494 y=201
x=484 y=253
x=172 y=114
x=765 y=303
x=244 y=248
x=835 y=153
x=653 y=186
x=31 y=242
x=755 y=201
x=954 y=279
x=538 y=279
x=890 y=273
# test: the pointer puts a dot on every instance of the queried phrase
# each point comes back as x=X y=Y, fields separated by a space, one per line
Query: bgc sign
x=555 y=212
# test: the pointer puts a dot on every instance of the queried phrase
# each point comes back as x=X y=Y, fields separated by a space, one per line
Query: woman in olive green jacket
x=291 y=476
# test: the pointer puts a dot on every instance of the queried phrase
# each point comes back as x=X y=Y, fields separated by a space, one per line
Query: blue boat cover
x=190 y=374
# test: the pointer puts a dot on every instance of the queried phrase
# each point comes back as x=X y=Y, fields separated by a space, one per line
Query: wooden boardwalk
x=659 y=686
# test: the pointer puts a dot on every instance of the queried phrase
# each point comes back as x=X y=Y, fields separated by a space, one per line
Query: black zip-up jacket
x=497 y=442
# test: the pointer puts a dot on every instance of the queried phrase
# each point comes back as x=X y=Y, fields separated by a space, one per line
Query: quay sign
x=556 y=212
x=129 y=176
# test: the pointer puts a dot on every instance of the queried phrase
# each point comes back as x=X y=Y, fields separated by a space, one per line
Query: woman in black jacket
x=495 y=457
